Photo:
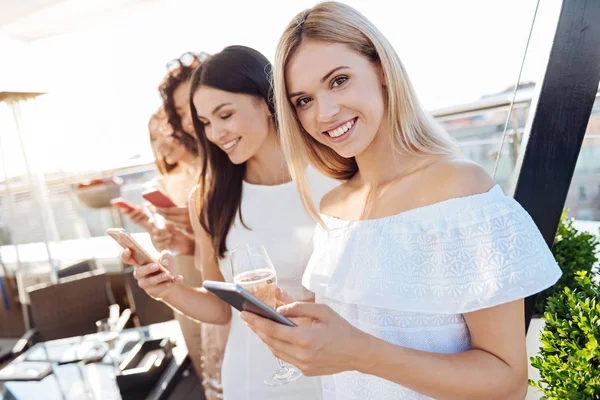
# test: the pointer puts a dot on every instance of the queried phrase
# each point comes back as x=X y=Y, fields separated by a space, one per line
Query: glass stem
x=283 y=369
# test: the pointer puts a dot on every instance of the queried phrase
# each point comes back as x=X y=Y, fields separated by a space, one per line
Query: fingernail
x=179 y=278
x=165 y=262
x=165 y=275
x=153 y=267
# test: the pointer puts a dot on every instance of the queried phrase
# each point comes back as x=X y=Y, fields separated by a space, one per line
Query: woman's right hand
x=156 y=279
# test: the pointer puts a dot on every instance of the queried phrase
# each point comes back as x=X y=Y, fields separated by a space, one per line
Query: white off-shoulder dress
x=409 y=278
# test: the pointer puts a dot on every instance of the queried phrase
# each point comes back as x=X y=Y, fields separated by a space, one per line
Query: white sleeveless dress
x=408 y=278
x=278 y=221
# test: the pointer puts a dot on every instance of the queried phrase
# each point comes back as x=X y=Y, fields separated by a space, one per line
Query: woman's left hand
x=328 y=345
x=283 y=298
x=178 y=216
x=173 y=239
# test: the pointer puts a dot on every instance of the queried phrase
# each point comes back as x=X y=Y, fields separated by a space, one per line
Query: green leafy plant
x=569 y=359
x=574 y=251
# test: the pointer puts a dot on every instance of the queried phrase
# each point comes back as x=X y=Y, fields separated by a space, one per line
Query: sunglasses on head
x=187 y=59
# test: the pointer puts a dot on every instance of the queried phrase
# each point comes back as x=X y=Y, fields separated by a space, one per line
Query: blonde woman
x=174 y=159
x=176 y=154
x=421 y=263
x=179 y=165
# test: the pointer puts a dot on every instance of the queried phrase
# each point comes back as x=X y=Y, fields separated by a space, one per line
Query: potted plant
x=574 y=251
x=569 y=359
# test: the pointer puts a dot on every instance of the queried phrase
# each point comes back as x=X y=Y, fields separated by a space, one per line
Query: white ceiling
x=11 y=10
x=28 y=20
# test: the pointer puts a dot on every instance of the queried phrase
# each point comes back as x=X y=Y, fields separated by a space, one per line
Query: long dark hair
x=236 y=69
x=166 y=88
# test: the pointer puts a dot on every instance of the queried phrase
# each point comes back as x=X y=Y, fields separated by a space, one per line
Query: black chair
x=80 y=267
x=70 y=307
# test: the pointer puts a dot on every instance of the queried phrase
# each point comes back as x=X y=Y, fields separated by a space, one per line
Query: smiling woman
x=235 y=123
x=229 y=122
x=331 y=121
x=421 y=263
x=245 y=196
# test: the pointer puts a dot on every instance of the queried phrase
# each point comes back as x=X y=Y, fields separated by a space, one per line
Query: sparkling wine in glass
x=253 y=270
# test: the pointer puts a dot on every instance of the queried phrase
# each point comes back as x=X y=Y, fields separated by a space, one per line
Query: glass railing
x=478 y=129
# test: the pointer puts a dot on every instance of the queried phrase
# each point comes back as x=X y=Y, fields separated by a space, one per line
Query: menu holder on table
x=142 y=368
x=25 y=371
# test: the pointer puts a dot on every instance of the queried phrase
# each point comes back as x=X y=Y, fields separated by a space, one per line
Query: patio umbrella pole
x=36 y=187
x=20 y=289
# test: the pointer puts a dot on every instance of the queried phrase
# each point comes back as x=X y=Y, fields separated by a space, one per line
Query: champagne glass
x=253 y=270
x=105 y=327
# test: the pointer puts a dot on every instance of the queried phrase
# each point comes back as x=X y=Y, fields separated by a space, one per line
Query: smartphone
x=158 y=199
x=122 y=204
x=139 y=254
x=243 y=300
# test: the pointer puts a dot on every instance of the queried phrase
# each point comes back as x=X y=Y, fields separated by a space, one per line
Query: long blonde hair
x=158 y=121
x=412 y=130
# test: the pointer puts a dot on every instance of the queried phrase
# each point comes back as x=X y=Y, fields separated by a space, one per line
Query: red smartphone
x=126 y=241
x=122 y=204
x=158 y=199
